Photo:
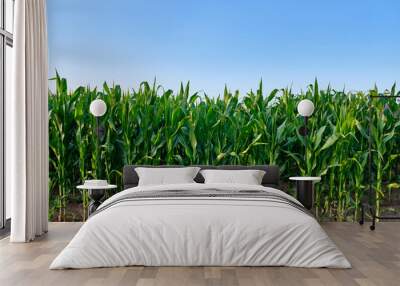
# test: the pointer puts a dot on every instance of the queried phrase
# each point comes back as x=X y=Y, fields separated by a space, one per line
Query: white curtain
x=27 y=123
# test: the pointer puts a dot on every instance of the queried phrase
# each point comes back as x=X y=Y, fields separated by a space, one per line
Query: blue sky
x=352 y=44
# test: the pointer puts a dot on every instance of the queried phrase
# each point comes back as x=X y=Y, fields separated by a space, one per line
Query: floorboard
x=375 y=256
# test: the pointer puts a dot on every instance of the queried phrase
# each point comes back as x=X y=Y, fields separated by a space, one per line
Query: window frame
x=6 y=39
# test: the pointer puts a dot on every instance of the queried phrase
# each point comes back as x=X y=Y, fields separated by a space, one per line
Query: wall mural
x=154 y=125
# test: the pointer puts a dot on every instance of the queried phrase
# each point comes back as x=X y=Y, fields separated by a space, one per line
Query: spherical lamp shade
x=98 y=107
x=305 y=108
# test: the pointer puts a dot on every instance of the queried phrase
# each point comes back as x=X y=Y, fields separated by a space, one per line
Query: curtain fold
x=27 y=123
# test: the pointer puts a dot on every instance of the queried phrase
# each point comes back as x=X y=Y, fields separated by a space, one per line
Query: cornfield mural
x=151 y=125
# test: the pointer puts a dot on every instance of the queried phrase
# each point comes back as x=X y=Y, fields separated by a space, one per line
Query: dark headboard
x=270 y=179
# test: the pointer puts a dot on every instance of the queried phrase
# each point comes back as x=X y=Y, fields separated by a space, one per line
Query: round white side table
x=96 y=193
x=305 y=190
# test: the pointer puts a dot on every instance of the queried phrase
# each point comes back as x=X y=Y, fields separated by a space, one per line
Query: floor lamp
x=98 y=108
x=305 y=109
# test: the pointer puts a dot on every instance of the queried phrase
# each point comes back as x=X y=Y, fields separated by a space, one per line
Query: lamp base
x=303 y=131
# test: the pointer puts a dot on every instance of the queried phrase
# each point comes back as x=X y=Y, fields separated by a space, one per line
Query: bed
x=198 y=224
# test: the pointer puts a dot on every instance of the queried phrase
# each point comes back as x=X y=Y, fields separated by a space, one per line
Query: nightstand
x=96 y=193
x=305 y=190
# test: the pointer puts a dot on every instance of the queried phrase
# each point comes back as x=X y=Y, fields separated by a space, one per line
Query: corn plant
x=153 y=125
x=383 y=130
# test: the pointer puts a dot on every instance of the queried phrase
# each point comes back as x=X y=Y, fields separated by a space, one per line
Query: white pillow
x=248 y=177
x=166 y=176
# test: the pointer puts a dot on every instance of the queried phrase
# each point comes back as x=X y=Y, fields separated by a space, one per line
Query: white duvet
x=200 y=231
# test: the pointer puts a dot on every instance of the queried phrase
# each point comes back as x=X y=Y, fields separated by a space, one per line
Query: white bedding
x=200 y=231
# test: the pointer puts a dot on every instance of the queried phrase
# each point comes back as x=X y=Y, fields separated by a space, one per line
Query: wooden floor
x=375 y=257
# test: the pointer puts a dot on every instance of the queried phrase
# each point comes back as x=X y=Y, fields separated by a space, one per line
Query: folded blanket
x=205 y=193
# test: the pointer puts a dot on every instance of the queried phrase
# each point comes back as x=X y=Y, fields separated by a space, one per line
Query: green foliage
x=151 y=125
